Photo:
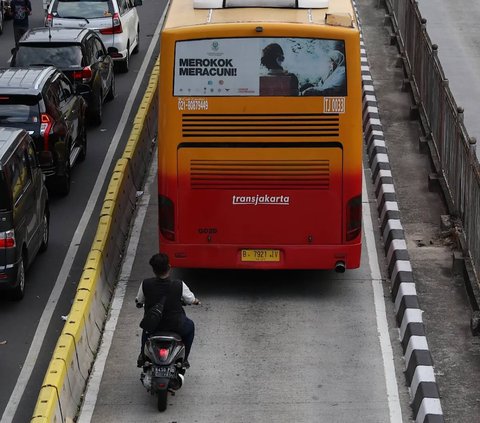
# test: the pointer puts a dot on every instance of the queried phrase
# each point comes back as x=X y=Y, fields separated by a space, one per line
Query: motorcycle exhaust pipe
x=340 y=267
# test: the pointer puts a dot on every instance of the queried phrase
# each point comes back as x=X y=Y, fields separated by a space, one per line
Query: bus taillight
x=354 y=217
x=166 y=217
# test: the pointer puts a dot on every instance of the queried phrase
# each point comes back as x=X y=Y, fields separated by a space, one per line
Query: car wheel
x=124 y=65
x=63 y=181
x=111 y=91
x=137 y=47
x=83 y=145
x=19 y=291
x=45 y=231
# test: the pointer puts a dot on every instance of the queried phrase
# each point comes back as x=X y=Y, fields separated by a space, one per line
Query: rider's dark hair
x=160 y=263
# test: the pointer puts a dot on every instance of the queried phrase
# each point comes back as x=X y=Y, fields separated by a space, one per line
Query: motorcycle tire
x=162 y=400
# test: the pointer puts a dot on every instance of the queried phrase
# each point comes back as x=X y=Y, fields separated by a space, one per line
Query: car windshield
x=82 y=9
x=60 y=56
x=19 y=109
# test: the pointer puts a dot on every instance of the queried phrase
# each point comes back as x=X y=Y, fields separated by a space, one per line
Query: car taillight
x=49 y=20
x=46 y=123
x=354 y=218
x=85 y=74
x=7 y=239
x=116 y=27
x=166 y=217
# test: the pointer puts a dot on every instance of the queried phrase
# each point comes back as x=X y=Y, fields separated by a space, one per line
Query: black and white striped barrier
x=419 y=372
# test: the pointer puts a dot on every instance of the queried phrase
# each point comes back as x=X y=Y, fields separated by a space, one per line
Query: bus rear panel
x=258 y=167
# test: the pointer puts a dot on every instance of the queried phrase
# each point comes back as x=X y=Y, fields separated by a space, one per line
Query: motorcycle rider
x=175 y=291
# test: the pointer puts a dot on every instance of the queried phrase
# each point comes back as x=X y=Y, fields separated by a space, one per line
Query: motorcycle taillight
x=163 y=353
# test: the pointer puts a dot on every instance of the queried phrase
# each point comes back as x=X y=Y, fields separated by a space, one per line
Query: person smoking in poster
x=333 y=82
x=278 y=81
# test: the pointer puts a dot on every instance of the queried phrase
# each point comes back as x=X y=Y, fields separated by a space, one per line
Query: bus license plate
x=261 y=255
x=162 y=372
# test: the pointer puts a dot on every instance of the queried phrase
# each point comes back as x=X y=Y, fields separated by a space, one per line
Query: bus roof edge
x=291 y=4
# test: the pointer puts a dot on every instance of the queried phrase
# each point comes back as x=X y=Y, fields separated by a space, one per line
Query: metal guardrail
x=452 y=150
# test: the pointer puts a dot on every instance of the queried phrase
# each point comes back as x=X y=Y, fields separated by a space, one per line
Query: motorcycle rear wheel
x=162 y=400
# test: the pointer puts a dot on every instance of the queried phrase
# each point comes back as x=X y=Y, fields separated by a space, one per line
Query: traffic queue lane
x=52 y=279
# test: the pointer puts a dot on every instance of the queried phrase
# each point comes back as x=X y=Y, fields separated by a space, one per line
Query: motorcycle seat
x=168 y=334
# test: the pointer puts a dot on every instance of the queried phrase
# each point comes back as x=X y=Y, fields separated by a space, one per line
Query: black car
x=24 y=212
x=42 y=101
x=80 y=54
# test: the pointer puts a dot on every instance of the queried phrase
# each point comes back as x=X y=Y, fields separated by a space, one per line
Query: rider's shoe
x=186 y=364
x=140 y=360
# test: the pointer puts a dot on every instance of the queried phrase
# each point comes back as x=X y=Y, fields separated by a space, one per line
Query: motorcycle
x=164 y=367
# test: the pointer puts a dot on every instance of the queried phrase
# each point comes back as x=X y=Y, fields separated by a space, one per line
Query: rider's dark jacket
x=154 y=290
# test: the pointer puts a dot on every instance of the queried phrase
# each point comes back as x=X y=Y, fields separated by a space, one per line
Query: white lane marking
x=44 y=322
x=93 y=387
x=381 y=314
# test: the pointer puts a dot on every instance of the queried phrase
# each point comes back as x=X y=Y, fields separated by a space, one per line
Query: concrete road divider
x=67 y=375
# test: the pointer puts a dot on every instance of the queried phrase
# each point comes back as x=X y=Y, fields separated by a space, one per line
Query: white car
x=116 y=21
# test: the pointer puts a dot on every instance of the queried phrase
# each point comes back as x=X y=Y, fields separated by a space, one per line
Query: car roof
x=7 y=136
x=62 y=35
x=24 y=80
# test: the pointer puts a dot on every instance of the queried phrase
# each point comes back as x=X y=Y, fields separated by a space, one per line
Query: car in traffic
x=42 y=101
x=116 y=21
x=24 y=209
x=80 y=54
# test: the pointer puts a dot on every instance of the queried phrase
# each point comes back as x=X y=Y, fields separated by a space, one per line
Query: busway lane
x=21 y=320
x=270 y=346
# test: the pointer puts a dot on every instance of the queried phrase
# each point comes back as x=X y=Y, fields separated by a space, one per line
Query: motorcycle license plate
x=163 y=372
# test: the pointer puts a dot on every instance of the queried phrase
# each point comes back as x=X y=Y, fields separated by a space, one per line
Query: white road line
x=44 y=322
x=90 y=399
x=381 y=314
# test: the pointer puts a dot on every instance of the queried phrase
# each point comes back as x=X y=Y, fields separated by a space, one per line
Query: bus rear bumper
x=233 y=257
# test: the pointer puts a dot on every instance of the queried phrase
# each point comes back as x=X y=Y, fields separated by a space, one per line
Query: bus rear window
x=260 y=67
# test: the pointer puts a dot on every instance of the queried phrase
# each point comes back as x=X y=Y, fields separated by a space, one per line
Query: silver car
x=116 y=21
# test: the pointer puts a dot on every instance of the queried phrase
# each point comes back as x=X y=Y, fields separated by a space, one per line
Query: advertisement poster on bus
x=260 y=67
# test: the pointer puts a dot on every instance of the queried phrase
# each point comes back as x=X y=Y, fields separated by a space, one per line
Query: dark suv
x=79 y=53
x=24 y=213
x=42 y=101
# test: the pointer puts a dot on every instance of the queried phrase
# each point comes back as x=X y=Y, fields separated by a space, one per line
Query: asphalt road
x=301 y=346
x=454 y=26
x=34 y=324
x=251 y=324
x=322 y=307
